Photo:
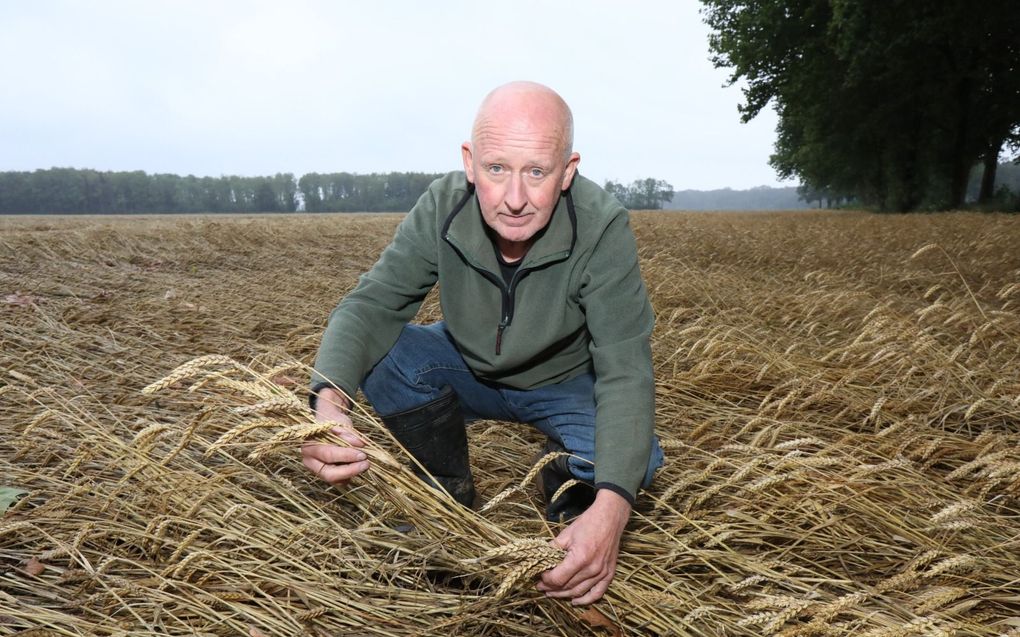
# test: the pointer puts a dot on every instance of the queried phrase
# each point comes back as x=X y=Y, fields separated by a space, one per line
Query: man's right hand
x=333 y=463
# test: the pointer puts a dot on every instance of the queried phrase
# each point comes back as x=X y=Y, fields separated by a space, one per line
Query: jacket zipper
x=508 y=307
x=499 y=336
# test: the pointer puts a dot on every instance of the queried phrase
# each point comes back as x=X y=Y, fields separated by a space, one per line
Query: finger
x=558 y=577
x=316 y=467
x=340 y=473
x=576 y=589
x=335 y=473
x=572 y=571
x=332 y=454
x=594 y=594
x=562 y=588
x=349 y=436
x=579 y=582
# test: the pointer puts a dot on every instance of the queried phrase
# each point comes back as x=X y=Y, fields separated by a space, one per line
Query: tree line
x=71 y=191
x=888 y=104
x=86 y=191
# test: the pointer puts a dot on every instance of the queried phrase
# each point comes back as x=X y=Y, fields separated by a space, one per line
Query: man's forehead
x=498 y=142
x=522 y=128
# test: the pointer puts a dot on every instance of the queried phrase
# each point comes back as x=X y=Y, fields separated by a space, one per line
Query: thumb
x=562 y=539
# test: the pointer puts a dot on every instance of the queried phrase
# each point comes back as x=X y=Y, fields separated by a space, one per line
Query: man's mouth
x=516 y=220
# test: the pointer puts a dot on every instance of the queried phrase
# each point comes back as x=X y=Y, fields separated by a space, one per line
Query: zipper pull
x=499 y=337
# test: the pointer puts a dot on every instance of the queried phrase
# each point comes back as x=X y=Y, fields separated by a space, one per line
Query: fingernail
x=361 y=456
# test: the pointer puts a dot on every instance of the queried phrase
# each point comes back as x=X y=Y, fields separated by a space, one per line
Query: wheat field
x=838 y=395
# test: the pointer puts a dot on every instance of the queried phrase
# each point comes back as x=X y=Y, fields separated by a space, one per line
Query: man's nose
x=516 y=197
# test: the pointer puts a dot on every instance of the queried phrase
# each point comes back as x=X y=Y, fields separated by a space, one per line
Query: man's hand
x=592 y=542
x=333 y=463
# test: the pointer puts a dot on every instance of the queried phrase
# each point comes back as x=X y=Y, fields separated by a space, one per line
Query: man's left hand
x=592 y=542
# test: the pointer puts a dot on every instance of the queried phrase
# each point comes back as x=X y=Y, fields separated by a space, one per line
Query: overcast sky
x=252 y=88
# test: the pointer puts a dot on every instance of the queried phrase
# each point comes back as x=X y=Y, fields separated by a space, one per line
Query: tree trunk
x=991 y=161
x=958 y=189
x=960 y=163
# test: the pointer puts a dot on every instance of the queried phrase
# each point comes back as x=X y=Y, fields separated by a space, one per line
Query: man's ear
x=571 y=170
x=469 y=164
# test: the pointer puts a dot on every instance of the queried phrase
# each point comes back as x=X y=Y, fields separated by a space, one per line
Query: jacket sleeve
x=368 y=321
x=619 y=318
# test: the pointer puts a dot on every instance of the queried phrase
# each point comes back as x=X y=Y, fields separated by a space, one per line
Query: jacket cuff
x=313 y=396
x=617 y=489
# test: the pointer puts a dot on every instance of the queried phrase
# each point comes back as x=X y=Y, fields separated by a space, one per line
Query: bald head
x=520 y=106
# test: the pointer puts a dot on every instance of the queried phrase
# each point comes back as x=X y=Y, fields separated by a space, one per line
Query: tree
x=892 y=102
x=642 y=194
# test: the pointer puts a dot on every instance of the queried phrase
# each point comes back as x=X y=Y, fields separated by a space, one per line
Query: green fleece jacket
x=576 y=304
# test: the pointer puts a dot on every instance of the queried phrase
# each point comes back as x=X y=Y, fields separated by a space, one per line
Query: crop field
x=838 y=396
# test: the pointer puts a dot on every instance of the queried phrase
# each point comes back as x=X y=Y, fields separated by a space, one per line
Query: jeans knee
x=655 y=461
x=395 y=383
x=384 y=373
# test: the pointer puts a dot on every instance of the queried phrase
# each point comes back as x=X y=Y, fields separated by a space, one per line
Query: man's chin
x=516 y=235
x=517 y=228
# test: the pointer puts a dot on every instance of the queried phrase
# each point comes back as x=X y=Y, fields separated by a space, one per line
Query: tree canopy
x=890 y=102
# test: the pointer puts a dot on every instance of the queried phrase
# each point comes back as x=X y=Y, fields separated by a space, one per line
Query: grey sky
x=250 y=88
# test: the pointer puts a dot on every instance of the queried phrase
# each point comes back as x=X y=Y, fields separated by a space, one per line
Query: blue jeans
x=424 y=360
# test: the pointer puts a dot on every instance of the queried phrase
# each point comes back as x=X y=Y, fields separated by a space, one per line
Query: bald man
x=545 y=321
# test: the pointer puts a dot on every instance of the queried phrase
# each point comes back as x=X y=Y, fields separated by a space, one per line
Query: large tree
x=892 y=102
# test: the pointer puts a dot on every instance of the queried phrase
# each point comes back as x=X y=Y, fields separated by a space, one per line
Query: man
x=546 y=321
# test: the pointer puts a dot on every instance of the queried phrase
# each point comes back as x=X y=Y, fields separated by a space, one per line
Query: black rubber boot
x=572 y=502
x=434 y=433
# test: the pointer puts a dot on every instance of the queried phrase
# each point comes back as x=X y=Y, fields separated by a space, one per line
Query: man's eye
x=495 y=169
x=537 y=172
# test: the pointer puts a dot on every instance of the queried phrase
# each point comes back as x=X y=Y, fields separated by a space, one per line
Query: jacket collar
x=465 y=230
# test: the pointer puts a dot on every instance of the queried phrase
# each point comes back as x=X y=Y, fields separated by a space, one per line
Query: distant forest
x=760 y=198
x=85 y=191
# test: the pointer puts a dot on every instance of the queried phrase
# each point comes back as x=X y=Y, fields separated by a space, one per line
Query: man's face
x=519 y=169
